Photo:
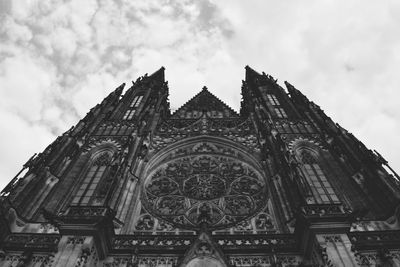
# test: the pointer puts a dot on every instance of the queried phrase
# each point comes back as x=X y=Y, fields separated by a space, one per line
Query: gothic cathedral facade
x=132 y=184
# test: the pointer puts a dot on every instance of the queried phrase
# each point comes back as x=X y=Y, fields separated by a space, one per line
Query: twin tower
x=279 y=184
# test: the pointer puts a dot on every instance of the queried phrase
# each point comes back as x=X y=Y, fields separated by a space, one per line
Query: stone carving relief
x=145 y=222
x=382 y=257
x=224 y=188
x=235 y=129
x=141 y=261
x=265 y=261
x=96 y=141
x=262 y=223
x=149 y=224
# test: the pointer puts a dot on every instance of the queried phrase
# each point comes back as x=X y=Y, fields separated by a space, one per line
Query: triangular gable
x=204 y=103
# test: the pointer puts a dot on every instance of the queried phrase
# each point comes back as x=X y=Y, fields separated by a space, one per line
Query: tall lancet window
x=92 y=179
x=132 y=107
x=280 y=112
x=273 y=100
x=321 y=189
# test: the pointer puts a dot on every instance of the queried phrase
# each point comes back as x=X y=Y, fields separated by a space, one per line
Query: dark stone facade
x=279 y=184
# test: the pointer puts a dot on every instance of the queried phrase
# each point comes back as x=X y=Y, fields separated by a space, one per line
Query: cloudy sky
x=60 y=58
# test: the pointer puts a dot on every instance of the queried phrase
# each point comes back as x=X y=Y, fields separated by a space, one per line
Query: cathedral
x=134 y=184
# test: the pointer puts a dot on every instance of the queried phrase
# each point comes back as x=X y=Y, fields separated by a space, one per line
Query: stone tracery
x=228 y=189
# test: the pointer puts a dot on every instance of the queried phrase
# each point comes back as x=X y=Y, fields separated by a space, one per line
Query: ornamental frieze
x=245 y=261
x=34 y=242
x=130 y=242
x=117 y=141
x=120 y=127
x=141 y=261
x=272 y=242
x=204 y=147
x=237 y=130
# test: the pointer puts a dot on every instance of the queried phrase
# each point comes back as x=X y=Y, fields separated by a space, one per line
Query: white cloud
x=20 y=140
x=23 y=83
x=15 y=32
x=60 y=58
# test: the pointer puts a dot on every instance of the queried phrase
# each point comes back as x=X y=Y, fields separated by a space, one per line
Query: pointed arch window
x=321 y=189
x=92 y=179
x=130 y=112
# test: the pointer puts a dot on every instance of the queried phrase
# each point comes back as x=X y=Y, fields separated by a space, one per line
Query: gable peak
x=204 y=103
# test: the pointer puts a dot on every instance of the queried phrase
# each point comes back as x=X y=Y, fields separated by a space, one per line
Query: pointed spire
x=291 y=87
x=251 y=73
x=119 y=89
x=114 y=95
x=159 y=75
x=156 y=80
x=295 y=93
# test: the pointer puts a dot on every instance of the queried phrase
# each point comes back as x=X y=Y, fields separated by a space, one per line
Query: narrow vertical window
x=321 y=189
x=280 y=112
x=273 y=100
x=136 y=101
x=91 y=180
x=130 y=112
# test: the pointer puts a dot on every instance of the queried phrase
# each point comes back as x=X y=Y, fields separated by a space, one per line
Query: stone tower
x=279 y=184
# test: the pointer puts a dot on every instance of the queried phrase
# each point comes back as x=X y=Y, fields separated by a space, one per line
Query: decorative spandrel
x=226 y=189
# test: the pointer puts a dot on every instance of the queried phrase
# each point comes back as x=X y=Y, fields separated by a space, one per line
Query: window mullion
x=89 y=184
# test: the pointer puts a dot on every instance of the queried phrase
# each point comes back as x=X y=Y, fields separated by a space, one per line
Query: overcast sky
x=60 y=58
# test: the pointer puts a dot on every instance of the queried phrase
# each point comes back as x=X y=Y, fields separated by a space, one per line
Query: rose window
x=204 y=187
x=227 y=190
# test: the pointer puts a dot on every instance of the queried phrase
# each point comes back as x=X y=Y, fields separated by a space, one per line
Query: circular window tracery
x=227 y=189
x=204 y=186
